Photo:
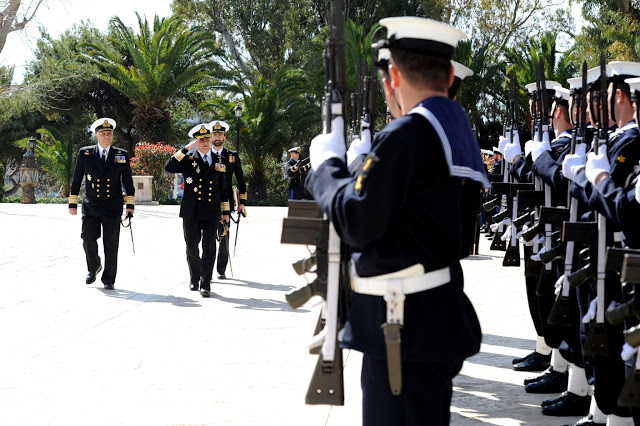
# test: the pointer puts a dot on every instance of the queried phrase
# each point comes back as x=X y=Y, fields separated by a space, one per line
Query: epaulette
x=121 y=150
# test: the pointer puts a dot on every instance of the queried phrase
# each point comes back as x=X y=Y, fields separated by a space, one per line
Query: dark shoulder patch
x=363 y=173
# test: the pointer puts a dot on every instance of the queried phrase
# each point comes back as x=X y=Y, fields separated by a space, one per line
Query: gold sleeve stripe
x=131 y=200
x=179 y=155
x=243 y=196
x=225 y=206
x=73 y=199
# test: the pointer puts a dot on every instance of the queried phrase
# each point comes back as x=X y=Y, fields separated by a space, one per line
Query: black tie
x=206 y=160
x=104 y=156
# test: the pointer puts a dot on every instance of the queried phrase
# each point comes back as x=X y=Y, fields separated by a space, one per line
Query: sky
x=59 y=15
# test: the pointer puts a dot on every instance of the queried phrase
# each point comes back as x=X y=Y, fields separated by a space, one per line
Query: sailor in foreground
x=407 y=279
x=204 y=205
x=105 y=168
x=460 y=72
x=229 y=163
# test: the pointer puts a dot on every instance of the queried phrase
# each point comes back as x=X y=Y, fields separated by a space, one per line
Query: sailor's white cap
x=562 y=94
x=623 y=68
x=102 y=124
x=550 y=85
x=460 y=71
x=422 y=35
x=200 y=131
x=575 y=83
x=634 y=84
x=594 y=74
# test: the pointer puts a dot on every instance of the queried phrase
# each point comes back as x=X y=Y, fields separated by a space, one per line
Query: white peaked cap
x=634 y=84
x=562 y=93
x=422 y=34
x=550 y=85
x=594 y=74
x=200 y=131
x=103 y=123
x=217 y=125
x=624 y=68
x=575 y=83
x=384 y=54
x=461 y=71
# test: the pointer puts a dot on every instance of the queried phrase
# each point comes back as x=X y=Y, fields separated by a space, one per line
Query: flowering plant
x=149 y=161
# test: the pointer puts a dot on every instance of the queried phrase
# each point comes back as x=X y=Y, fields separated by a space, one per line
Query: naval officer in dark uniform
x=105 y=168
x=205 y=204
x=230 y=162
x=295 y=174
x=407 y=274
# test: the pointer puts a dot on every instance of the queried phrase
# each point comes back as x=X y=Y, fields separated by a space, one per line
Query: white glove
x=328 y=145
x=559 y=283
x=507 y=234
x=525 y=228
x=495 y=226
x=528 y=147
x=597 y=164
x=512 y=150
x=628 y=352
x=591 y=313
x=540 y=147
x=503 y=142
x=536 y=257
x=574 y=163
x=638 y=191
x=360 y=146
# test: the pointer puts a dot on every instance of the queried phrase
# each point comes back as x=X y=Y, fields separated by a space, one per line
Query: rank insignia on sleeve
x=367 y=165
x=189 y=180
x=621 y=159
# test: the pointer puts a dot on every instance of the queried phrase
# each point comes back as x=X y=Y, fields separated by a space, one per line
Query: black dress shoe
x=91 y=276
x=587 y=421
x=538 y=377
x=553 y=382
x=108 y=286
x=194 y=286
x=204 y=292
x=570 y=405
x=522 y=358
x=555 y=400
x=536 y=362
x=222 y=277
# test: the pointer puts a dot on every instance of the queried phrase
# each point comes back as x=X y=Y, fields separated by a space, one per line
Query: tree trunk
x=258 y=184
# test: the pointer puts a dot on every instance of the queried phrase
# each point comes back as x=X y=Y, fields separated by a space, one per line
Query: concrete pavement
x=151 y=352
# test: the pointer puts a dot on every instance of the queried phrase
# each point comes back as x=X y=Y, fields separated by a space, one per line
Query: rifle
x=305 y=226
x=512 y=255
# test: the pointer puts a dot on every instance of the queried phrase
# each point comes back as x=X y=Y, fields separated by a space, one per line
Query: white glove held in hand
x=597 y=164
x=328 y=145
x=503 y=142
x=574 y=163
x=540 y=147
x=628 y=352
x=591 y=313
x=512 y=150
x=536 y=257
x=360 y=146
x=559 y=283
x=507 y=234
x=528 y=147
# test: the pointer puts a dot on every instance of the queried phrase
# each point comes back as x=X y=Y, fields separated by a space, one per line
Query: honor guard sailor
x=407 y=278
x=229 y=163
x=205 y=204
x=104 y=168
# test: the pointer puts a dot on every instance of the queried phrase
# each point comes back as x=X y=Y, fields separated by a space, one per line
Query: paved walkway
x=152 y=352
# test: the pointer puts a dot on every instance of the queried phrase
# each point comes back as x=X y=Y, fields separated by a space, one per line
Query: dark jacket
x=233 y=166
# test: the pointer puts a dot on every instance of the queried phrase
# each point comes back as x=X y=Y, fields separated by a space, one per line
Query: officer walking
x=105 y=168
x=295 y=171
x=205 y=204
x=408 y=279
x=229 y=163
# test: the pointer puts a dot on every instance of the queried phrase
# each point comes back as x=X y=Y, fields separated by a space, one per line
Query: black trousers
x=425 y=398
x=223 y=255
x=195 y=230
x=92 y=226
x=294 y=188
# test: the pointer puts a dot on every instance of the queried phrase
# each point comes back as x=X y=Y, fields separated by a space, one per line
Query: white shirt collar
x=202 y=154
x=217 y=152
x=100 y=148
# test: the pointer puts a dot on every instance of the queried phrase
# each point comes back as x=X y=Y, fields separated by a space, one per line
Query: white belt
x=413 y=280
x=394 y=286
x=618 y=237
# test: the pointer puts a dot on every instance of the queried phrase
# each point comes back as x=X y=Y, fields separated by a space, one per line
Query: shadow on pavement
x=252 y=284
x=153 y=298
x=511 y=342
x=259 y=304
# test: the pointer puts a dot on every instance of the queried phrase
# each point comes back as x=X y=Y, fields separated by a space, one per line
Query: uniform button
x=97 y=190
x=98 y=180
x=199 y=198
x=199 y=186
x=107 y=190
x=209 y=198
x=200 y=180
x=98 y=195
x=107 y=195
x=210 y=181
x=108 y=185
x=108 y=180
x=210 y=188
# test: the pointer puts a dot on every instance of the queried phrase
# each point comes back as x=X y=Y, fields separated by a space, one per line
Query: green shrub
x=149 y=161
x=1 y=182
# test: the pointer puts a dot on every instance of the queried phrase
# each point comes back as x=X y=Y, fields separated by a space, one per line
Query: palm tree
x=54 y=152
x=273 y=115
x=153 y=66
